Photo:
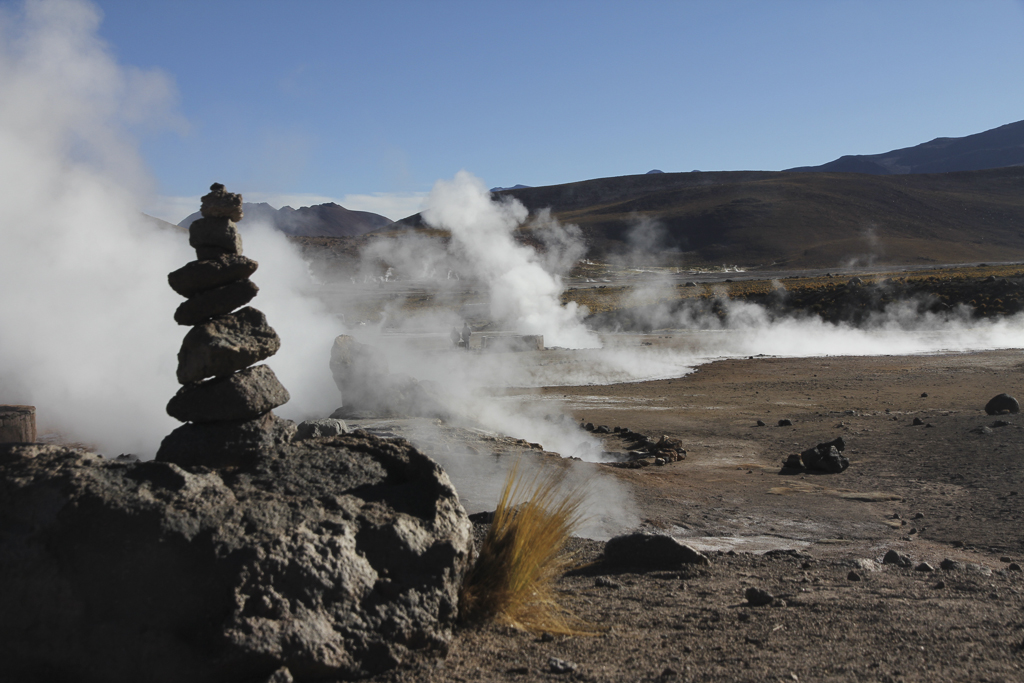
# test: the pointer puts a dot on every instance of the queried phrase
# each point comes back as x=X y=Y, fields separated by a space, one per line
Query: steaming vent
x=226 y=400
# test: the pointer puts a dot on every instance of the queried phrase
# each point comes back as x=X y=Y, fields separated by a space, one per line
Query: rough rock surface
x=333 y=561
x=226 y=344
x=198 y=276
x=319 y=429
x=650 y=551
x=826 y=457
x=218 y=233
x=221 y=204
x=1002 y=403
x=244 y=395
x=226 y=443
x=214 y=302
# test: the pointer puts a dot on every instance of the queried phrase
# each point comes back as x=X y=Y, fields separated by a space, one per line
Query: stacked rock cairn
x=225 y=398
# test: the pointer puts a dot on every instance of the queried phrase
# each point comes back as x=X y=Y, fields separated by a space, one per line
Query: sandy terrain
x=932 y=492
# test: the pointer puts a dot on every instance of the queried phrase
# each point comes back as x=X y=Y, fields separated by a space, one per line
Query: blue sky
x=369 y=103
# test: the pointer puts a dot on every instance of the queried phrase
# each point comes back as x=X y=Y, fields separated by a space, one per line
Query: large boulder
x=324 y=562
x=226 y=344
x=1002 y=403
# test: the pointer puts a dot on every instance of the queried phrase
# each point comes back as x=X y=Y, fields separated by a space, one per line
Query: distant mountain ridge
x=996 y=148
x=319 y=220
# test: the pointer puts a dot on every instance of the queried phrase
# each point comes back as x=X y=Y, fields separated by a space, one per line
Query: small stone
x=757 y=597
x=214 y=302
x=1002 y=403
x=669 y=672
x=1000 y=423
x=853 y=576
x=602 y=582
x=743 y=616
x=602 y=429
x=893 y=557
x=924 y=567
x=221 y=204
x=589 y=426
x=981 y=430
x=1006 y=558
x=950 y=565
x=1013 y=567
x=560 y=666
x=546 y=637
x=217 y=233
x=659 y=461
x=199 y=276
x=282 y=675
x=760 y=423
x=917 y=422
x=924 y=395
x=784 y=422
x=940 y=585
x=918 y=515
x=793 y=462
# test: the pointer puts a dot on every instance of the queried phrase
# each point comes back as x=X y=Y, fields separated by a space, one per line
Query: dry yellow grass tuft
x=523 y=555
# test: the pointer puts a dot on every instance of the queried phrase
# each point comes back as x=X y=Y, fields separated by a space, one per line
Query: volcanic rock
x=898 y=559
x=214 y=302
x=826 y=457
x=320 y=429
x=227 y=443
x=650 y=551
x=333 y=561
x=219 y=234
x=226 y=344
x=199 y=276
x=244 y=395
x=221 y=204
x=1003 y=403
x=758 y=597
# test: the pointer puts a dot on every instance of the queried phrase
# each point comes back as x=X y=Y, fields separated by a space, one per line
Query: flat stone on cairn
x=17 y=424
x=230 y=414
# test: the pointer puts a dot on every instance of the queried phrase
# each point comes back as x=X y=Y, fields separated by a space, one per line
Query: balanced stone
x=219 y=234
x=215 y=302
x=198 y=276
x=245 y=395
x=226 y=344
x=221 y=204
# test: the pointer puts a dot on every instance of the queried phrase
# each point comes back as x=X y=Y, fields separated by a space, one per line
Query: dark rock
x=218 y=233
x=758 y=597
x=917 y=422
x=951 y=565
x=1002 y=403
x=214 y=302
x=199 y=276
x=853 y=576
x=924 y=395
x=826 y=457
x=760 y=423
x=1000 y=423
x=793 y=462
x=226 y=344
x=221 y=204
x=784 y=422
x=1013 y=567
x=924 y=567
x=602 y=582
x=650 y=551
x=589 y=426
x=320 y=429
x=893 y=557
x=224 y=444
x=282 y=675
x=333 y=561
x=547 y=637
x=602 y=429
x=560 y=666
x=939 y=585
x=244 y=395
x=17 y=424
x=983 y=430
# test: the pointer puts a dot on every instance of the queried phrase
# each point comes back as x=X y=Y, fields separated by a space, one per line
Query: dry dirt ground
x=945 y=489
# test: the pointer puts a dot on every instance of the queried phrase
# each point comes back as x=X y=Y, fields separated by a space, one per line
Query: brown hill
x=792 y=219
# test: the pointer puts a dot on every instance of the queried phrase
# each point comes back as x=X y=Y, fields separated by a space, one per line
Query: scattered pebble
x=917 y=421
x=951 y=565
x=924 y=567
x=785 y=422
x=560 y=666
x=893 y=557
x=853 y=576
x=760 y=423
x=1013 y=567
x=546 y=637
x=940 y=585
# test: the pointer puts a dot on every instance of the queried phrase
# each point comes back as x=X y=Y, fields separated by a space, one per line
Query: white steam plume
x=87 y=334
x=523 y=293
